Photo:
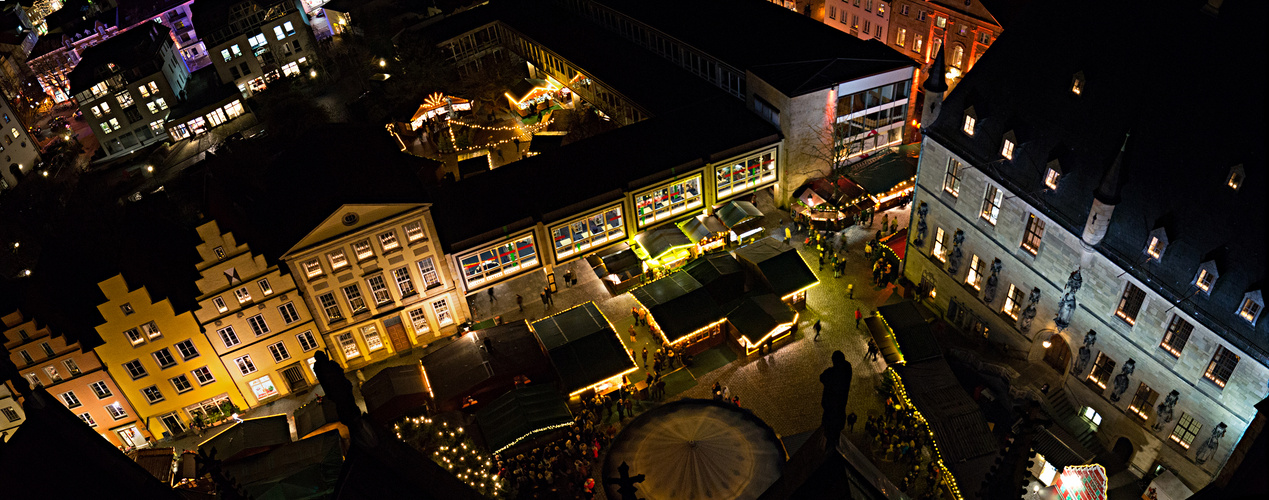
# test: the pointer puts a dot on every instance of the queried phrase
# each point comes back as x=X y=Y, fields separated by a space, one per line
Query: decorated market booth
x=779 y=269
x=482 y=365
x=663 y=247
x=707 y=232
x=682 y=312
x=438 y=106
x=828 y=205
x=721 y=275
x=522 y=415
x=531 y=95
x=395 y=392
x=585 y=350
x=619 y=268
x=761 y=319
x=743 y=221
x=888 y=178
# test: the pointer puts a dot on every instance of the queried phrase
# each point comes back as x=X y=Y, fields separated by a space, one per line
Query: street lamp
x=312 y=73
x=382 y=63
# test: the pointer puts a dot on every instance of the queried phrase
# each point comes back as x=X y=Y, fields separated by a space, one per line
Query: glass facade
x=746 y=174
x=491 y=264
x=664 y=202
x=873 y=118
x=594 y=230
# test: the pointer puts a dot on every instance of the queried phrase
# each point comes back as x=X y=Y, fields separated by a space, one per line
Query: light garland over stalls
x=451 y=448
x=948 y=479
x=454 y=142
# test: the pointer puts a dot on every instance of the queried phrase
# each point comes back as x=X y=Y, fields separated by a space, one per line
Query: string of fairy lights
x=907 y=403
x=527 y=131
x=452 y=449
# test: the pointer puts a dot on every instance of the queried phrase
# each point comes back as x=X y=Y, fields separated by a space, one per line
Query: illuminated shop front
x=663 y=247
x=707 y=232
x=436 y=105
x=204 y=122
x=669 y=200
x=592 y=231
x=745 y=175
x=499 y=262
x=761 y=320
x=829 y=205
x=743 y=221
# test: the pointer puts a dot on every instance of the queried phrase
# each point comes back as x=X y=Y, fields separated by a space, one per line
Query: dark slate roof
x=308 y=468
x=565 y=178
x=272 y=195
x=805 y=57
x=583 y=347
x=158 y=461
x=520 y=413
x=661 y=239
x=757 y=316
x=678 y=304
x=457 y=368
x=201 y=90
x=1178 y=157
x=720 y=274
x=95 y=465
x=701 y=227
x=781 y=267
x=911 y=331
x=131 y=12
x=133 y=50
x=249 y=437
x=394 y=391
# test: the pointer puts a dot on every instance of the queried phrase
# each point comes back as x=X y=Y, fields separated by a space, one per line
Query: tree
x=828 y=145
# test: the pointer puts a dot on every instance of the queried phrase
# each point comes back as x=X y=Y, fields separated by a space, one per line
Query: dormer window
x=1156 y=243
x=220 y=253
x=1206 y=277
x=1006 y=149
x=1052 y=174
x=1253 y=302
x=1235 y=178
x=971 y=119
x=1077 y=83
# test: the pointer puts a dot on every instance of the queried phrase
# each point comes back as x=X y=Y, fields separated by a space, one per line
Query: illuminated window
x=1013 y=302
x=499 y=261
x=590 y=231
x=1130 y=304
x=745 y=175
x=940 y=247
x=900 y=37
x=1221 y=366
x=389 y=241
x=263 y=388
x=428 y=270
x=1051 y=178
x=441 y=309
x=337 y=259
x=71 y=367
x=1235 y=178
x=404 y=283
x=1034 y=233
x=414 y=231
x=1091 y=415
x=975 y=272
x=662 y=203
x=124 y=98
x=52 y=374
x=418 y=318
x=1186 y=430
x=220 y=304
x=277 y=32
x=116 y=411
x=1102 y=369
x=371 y=334
x=1142 y=401
x=1176 y=336
x=952 y=179
x=958 y=55
x=134 y=336
x=265 y=288
x=968 y=127
x=245 y=365
x=991 y=204
x=243 y=295
x=224 y=53
x=1077 y=83
x=349 y=345
x=330 y=307
x=1155 y=248
x=313 y=268
x=228 y=336
x=290 y=29
x=279 y=352
x=356 y=304
x=881 y=9
x=1252 y=304
x=918 y=43
x=1206 y=277
x=1007 y=149
x=363 y=250
x=379 y=289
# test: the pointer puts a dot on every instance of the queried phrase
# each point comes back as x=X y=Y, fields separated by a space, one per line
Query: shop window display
x=595 y=230
x=746 y=174
x=664 y=202
x=500 y=261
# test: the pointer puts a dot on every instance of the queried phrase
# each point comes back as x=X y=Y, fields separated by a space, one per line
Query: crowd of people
x=898 y=436
x=563 y=468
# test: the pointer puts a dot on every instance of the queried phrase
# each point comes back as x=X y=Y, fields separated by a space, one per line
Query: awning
x=583 y=347
x=1060 y=448
x=754 y=318
x=884 y=338
x=702 y=227
x=679 y=305
x=779 y=266
x=432 y=106
x=738 y=212
x=522 y=413
x=898 y=242
x=956 y=420
x=661 y=240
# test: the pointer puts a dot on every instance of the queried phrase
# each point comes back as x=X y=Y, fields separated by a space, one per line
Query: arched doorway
x=17 y=172
x=1123 y=449
x=1058 y=354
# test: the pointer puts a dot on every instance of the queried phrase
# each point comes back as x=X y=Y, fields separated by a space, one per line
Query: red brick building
x=919 y=27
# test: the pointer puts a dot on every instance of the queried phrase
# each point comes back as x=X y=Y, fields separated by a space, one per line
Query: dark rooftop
x=808 y=55
x=458 y=368
x=132 y=50
x=782 y=268
x=249 y=437
x=756 y=316
x=679 y=305
x=583 y=347
x=135 y=11
x=201 y=90
x=522 y=412
x=1179 y=155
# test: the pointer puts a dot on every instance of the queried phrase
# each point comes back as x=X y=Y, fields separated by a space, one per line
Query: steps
x=1065 y=413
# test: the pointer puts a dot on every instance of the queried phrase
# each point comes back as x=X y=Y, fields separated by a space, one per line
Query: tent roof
x=911 y=331
x=781 y=266
x=721 y=275
x=521 y=412
x=305 y=469
x=661 y=239
x=957 y=421
x=679 y=304
x=158 y=461
x=701 y=227
x=248 y=437
x=583 y=347
x=1060 y=448
x=737 y=212
x=390 y=383
x=458 y=367
x=757 y=316
x=887 y=171
x=621 y=260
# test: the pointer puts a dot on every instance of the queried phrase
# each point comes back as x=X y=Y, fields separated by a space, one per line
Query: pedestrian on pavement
x=717 y=391
x=629 y=407
x=850 y=422
x=872 y=350
x=549 y=298
x=858 y=317
x=850 y=291
x=568 y=278
x=634 y=336
x=645 y=357
x=361 y=378
x=545 y=303
x=817 y=330
x=634 y=311
x=669 y=359
x=821 y=262
x=520 y=302
x=736 y=401
x=492 y=299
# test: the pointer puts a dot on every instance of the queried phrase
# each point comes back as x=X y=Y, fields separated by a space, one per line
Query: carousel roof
x=697 y=449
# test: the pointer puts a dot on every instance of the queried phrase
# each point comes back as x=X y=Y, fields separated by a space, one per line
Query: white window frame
x=159 y=392
x=181 y=351
x=307 y=341
x=198 y=375
x=440 y=308
x=418 y=319
x=405 y=283
x=388 y=241
x=258 y=325
x=279 y=352
x=330 y=307
x=70 y=399
x=139 y=373
x=363 y=250
x=227 y=334
x=313 y=268
x=1250 y=308
x=289 y=313
x=100 y=389
x=134 y=336
x=243 y=295
x=370 y=334
x=337 y=259
x=414 y=232
x=356 y=302
x=188 y=386
x=166 y=353
x=427 y=269
x=348 y=344
x=380 y=291
x=245 y=365
x=220 y=304
x=265 y=288
x=116 y=411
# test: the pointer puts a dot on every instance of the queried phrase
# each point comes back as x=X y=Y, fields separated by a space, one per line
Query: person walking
x=492 y=299
x=850 y=422
x=549 y=298
x=717 y=391
x=634 y=335
x=545 y=303
x=850 y=291
x=568 y=278
x=520 y=302
x=645 y=357
x=858 y=316
x=817 y=330
x=735 y=400
x=634 y=312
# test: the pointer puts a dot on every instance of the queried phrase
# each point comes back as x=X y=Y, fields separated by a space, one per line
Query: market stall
x=663 y=247
x=483 y=364
x=682 y=312
x=743 y=221
x=394 y=392
x=761 y=319
x=889 y=178
x=721 y=275
x=829 y=205
x=531 y=95
x=705 y=231
x=779 y=268
x=438 y=105
x=618 y=268
x=585 y=350
x=521 y=415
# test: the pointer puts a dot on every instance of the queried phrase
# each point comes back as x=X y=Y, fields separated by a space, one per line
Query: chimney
x=1105 y=198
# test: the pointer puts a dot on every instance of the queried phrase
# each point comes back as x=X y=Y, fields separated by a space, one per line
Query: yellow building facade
x=255 y=319
x=161 y=360
x=377 y=282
